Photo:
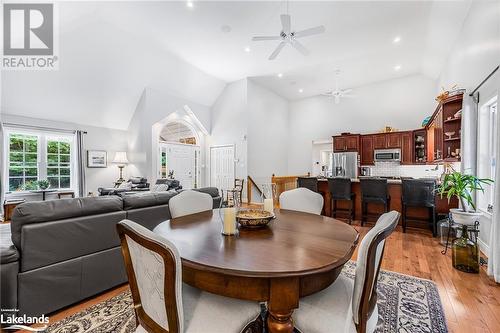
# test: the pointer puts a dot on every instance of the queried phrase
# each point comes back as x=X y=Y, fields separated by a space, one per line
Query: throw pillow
x=125 y=186
x=159 y=188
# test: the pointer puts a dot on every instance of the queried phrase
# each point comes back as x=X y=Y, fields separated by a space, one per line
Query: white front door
x=183 y=160
x=222 y=167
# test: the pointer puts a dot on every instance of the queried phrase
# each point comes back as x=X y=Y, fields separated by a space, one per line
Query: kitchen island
x=395 y=191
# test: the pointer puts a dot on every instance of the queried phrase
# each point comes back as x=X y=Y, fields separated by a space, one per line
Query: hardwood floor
x=471 y=301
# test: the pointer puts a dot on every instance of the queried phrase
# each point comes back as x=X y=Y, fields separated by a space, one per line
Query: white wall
x=401 y=103
x=97 y=138
x=153 y=107
x=267 y=133
x=475 y=54
x=229 y=123
x=477 y=51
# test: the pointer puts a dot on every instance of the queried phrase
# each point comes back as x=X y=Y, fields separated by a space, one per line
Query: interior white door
x=181 y=159
x=222 y=167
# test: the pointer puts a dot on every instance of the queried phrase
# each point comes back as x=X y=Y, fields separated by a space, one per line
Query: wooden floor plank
x=471 y=302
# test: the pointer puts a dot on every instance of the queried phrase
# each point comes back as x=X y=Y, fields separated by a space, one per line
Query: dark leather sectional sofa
x=56 y=253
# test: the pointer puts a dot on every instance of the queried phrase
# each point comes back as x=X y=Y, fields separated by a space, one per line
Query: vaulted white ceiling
x=111 y=51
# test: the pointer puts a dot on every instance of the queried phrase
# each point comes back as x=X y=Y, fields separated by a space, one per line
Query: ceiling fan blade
x=349 y=96
x=337 y=99
x=346 y=91
x=299 y=47
x=309 y=32
x=259 y=38
x=277 y=51
x=285 y=23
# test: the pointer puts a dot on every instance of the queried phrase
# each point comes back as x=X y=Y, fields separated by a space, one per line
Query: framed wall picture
x=97 y=159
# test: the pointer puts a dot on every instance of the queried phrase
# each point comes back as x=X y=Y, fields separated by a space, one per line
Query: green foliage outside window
x=23 y=162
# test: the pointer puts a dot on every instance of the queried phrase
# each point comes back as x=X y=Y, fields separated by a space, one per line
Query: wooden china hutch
x=438 y=142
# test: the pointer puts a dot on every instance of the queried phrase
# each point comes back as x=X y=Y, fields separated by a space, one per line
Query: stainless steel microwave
x=387 y=155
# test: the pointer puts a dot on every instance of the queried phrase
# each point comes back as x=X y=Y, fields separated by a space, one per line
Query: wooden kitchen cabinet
x=346 y=142
x=445 y=119
x=393 y=140
x=387 y=140
x=366 y=143
x=406 y=147
x=338 y=144
x=379 y=141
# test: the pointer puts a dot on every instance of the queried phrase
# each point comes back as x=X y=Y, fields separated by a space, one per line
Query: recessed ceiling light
x=280 y=75
x=247 y=49
x=396 y=39
x=190 y=4
x=397 y=67
x=301 y=90
x=225 y=28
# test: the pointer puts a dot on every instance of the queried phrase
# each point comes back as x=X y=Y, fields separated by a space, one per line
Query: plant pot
x=464 y=218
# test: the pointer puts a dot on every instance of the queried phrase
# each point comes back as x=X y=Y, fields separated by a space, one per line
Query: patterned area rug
x=406 y=304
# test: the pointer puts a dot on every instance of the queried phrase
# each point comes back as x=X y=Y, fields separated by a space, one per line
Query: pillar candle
x=269 y=205
x=229 y=221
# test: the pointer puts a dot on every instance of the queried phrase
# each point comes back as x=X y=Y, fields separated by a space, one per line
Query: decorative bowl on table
x=253 y=218
x=449 y=134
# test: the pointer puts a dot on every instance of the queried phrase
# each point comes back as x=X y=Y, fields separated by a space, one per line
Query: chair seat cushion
x=206 y=312
x=330 y=310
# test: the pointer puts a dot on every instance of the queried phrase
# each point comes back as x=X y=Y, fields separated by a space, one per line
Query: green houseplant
x=461 y=186
x=43 y=184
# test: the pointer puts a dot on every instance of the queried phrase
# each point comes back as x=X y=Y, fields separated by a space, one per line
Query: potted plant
x=43 y=184
x=457 y=184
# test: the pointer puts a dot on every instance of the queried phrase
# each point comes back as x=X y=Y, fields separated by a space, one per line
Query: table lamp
x=121 y=160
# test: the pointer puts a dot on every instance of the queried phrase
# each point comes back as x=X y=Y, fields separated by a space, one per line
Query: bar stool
x=373 y=190
x=340 y=189
x=419 y=193
x=308 y=182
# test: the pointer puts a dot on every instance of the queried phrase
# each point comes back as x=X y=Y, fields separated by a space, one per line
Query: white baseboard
x=483 y=247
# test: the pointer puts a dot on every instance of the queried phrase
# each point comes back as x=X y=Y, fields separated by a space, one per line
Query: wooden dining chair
x=189 y=202
x=347 y=305
x=303 y=200
x=162 y=303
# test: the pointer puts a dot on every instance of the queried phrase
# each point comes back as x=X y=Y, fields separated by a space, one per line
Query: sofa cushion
x=213 y=191
x=55 y=241
x=53 y=210
x=149 y=199
x=8 y=252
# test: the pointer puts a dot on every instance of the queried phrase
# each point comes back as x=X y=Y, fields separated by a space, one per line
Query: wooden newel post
x=249 y=190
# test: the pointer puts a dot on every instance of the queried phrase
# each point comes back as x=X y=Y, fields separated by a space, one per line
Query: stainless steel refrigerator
x=345 y=165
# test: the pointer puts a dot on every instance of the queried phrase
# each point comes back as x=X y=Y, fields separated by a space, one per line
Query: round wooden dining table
x=296 y=255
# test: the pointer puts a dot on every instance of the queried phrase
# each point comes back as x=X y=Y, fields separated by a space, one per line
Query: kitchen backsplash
x=394 y=169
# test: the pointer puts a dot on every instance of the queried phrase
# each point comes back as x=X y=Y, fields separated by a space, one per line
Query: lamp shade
x=121 y=158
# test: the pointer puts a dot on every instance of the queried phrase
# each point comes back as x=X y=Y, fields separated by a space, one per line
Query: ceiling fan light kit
x=338 y=93
x=287 y=36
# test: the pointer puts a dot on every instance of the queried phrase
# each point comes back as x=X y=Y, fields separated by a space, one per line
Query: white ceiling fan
x=338 y=93
x=287 y=36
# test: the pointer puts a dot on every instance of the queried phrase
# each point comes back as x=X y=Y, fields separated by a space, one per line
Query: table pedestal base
x=259 y=324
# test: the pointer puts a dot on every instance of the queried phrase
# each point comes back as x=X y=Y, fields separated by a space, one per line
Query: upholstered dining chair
x=350 y=305
x=302 y=199
x=189 y=202
x=162 y=303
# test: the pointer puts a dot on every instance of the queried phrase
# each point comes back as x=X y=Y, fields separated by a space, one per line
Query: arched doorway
x=179 y=153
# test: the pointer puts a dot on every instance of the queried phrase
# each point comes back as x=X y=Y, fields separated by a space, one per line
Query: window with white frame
x=32 y=155
x=487 y=147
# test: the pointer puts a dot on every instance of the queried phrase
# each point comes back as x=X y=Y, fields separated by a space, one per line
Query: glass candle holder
x=268 y=197
x=228 y=218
